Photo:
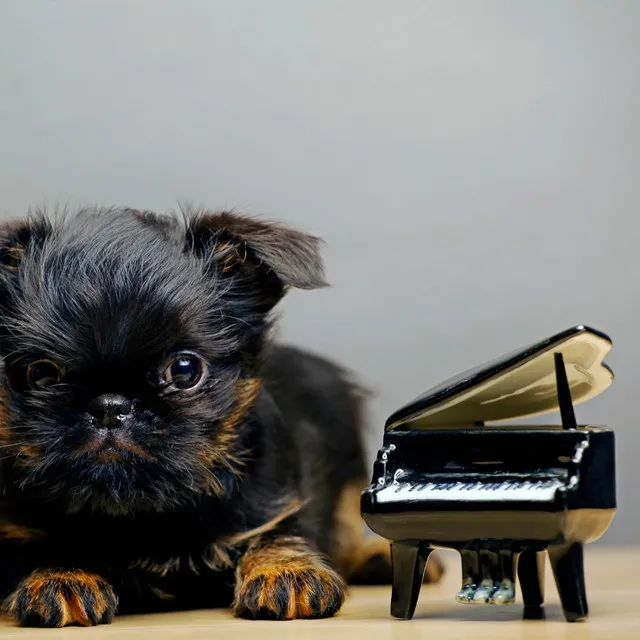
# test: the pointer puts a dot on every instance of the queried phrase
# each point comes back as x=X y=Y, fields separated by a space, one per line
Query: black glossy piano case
x=454 y=472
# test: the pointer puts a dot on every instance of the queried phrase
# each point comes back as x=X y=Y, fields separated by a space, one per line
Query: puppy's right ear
x=265 y=258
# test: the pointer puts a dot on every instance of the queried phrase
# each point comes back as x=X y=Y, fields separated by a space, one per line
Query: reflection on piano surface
x=502 y=496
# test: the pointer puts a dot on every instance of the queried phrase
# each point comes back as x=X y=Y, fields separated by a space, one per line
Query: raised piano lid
x=519 y=384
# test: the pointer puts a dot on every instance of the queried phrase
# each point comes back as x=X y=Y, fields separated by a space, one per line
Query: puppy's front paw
x=285 y=593
x=282 y=583
x=57 y=598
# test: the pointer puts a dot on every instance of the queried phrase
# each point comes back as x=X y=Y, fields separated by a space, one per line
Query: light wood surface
x=612 y=583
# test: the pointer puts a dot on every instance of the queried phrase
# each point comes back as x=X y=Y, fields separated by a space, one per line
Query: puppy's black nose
x=110 y=409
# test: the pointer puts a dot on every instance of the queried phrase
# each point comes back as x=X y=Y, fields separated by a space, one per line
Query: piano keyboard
x=537 y=491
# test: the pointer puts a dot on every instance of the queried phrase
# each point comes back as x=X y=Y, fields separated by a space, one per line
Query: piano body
x=501 y=495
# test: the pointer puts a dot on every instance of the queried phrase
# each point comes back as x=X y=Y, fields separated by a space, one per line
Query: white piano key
x=542 y=491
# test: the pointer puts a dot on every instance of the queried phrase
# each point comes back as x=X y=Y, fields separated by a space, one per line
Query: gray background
x=472 y=165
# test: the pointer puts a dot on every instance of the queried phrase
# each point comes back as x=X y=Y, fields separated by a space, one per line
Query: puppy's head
x=131 y=348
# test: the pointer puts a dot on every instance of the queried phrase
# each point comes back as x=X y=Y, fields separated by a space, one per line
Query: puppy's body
x=306 y=466
x=158 y=451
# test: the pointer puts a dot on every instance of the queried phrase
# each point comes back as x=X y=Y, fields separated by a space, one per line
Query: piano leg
x=489 y=566
x=470 y=575
x=531 y=567
x=568 y=570
x=409 y=562
x=506 y=591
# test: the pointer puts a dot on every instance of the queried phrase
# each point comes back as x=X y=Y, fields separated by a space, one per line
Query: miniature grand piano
x=501 y=495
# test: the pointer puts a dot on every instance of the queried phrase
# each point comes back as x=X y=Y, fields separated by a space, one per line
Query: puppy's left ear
x=266 y=255
x=17 y=238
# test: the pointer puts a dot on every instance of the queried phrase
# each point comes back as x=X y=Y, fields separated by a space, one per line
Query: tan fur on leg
x=284 y=579
x=355 y=550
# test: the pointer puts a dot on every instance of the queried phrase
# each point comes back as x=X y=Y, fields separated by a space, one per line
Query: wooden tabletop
x=613 y=588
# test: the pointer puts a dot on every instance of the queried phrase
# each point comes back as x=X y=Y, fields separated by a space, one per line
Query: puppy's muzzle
x=110 y=410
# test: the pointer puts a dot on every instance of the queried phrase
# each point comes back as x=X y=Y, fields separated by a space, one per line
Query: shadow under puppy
x=158 y=451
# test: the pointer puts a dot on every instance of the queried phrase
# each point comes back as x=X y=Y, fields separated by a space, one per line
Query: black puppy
x=158 y=452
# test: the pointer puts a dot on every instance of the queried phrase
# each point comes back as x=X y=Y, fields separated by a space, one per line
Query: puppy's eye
x=184 y=371
x=43 y=373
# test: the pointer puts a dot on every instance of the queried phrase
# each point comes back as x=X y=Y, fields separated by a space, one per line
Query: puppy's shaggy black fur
x=158 y=452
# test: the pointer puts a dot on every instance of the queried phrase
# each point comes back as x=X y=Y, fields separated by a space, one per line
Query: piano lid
x=516 y=385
